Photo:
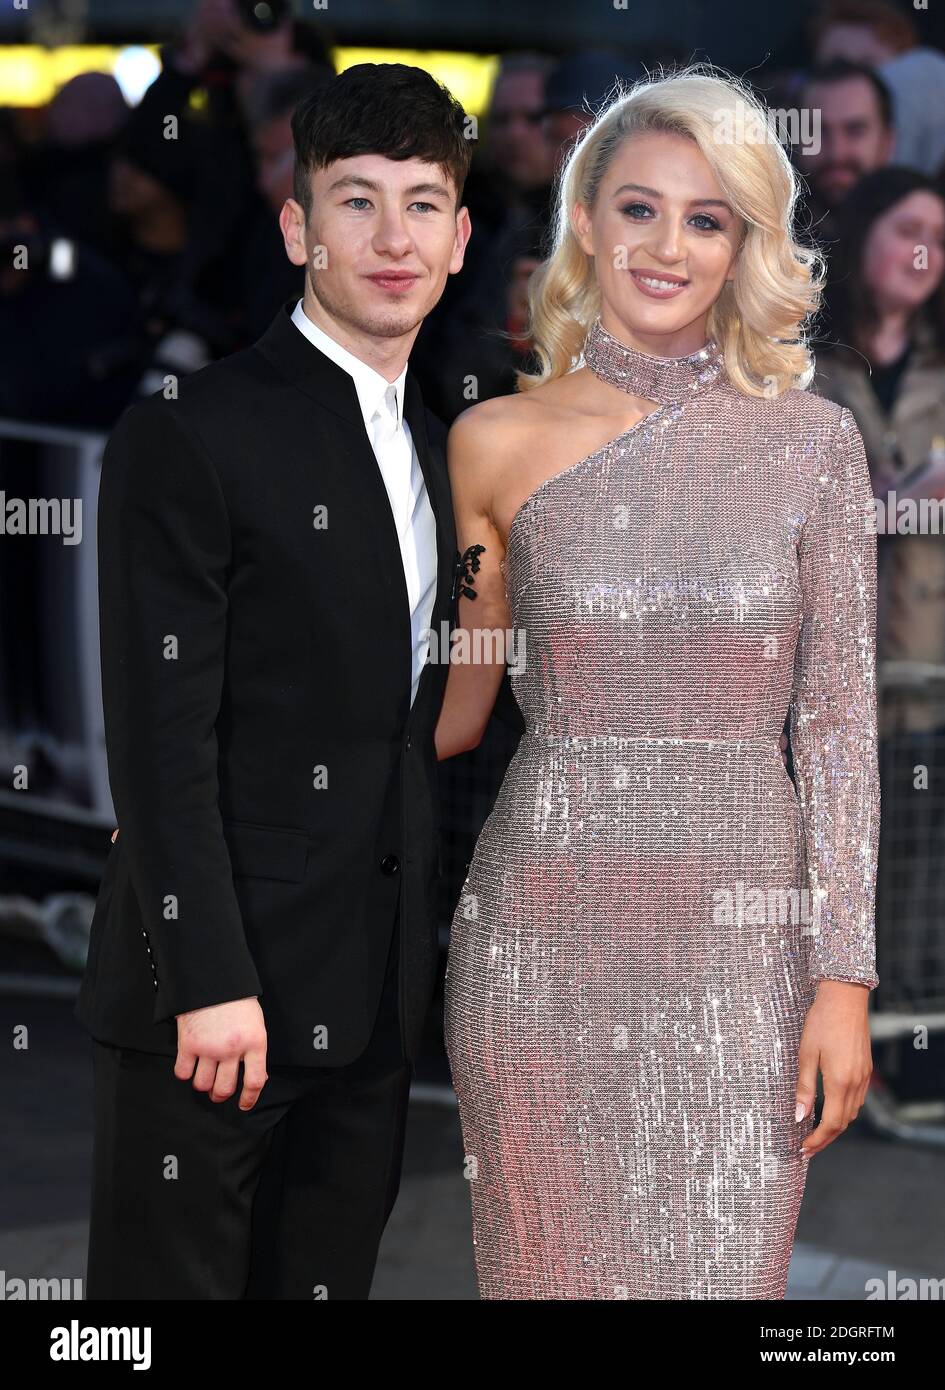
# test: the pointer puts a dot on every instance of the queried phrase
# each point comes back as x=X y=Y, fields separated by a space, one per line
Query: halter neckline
x=664 y=380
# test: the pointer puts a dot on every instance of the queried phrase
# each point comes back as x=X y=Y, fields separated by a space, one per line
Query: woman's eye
x=710 y=224
x=642 y=212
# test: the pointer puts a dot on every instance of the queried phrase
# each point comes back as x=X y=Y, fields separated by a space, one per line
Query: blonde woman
x=660 y=941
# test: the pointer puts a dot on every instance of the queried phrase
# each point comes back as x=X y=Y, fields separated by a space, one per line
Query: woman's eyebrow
x=655 y=193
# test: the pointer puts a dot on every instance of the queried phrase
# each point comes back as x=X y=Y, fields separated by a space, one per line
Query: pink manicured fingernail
x=801 y=1111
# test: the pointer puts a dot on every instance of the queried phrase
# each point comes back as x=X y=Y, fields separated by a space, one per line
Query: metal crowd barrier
x=907 y=1099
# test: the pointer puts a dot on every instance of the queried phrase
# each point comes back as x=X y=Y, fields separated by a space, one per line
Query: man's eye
x=357 y=200
x=425 y=205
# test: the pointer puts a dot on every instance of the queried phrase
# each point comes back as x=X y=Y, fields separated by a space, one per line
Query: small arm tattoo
x=465 y=567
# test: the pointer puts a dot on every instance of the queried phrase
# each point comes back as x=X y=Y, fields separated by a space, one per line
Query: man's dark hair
x=842 y=70
x=379 y=108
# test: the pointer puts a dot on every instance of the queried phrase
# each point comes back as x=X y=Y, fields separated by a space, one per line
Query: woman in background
x=885 y=362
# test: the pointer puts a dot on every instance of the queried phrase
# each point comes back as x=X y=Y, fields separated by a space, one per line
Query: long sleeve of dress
x=833 y=712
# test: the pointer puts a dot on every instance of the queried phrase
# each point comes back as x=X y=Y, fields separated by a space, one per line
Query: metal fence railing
x=910 y=888
x=907 y=1099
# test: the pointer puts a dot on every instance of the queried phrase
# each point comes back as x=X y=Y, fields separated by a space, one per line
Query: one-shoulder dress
x=652 y=899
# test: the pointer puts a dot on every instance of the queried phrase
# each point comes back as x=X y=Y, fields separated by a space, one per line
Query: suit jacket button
x=390 y=864
x=407 y=744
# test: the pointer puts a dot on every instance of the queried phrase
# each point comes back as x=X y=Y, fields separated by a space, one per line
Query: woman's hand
x=836 y=1039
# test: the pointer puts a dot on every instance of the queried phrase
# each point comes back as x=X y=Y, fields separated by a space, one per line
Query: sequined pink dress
x=629 y=969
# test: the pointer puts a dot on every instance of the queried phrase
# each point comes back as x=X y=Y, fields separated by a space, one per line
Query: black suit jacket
x=276 y=794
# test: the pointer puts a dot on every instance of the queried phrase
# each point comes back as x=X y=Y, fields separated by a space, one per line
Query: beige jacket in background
x=911 y=578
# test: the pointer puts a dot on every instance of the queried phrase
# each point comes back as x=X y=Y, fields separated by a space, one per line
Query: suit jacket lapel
x=330 y=385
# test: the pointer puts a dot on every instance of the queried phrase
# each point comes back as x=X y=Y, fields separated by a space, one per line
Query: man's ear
x=292 y=226
x=463 y=233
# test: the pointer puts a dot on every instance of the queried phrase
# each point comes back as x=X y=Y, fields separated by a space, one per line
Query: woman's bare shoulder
x=492 y=429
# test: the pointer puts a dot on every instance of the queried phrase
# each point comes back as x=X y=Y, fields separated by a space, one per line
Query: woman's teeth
x=660 y=284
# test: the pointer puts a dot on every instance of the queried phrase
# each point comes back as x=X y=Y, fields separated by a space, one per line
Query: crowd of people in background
x=150 y=256
x=152 y=248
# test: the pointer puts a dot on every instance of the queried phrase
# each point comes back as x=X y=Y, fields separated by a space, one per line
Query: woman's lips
x=652 y=289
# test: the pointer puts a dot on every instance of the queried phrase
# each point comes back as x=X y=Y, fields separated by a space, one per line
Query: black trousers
x=194 y=1199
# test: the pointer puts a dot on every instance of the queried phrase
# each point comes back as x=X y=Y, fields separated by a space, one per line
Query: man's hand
x=216 y=1039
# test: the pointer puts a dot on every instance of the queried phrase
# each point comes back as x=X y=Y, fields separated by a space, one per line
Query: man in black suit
x=275 y=543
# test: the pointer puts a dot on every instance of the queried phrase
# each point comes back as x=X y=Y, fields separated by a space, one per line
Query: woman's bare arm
x=479 y=653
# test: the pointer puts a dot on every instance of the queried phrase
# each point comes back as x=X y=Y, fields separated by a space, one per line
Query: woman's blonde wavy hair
x=760 y=317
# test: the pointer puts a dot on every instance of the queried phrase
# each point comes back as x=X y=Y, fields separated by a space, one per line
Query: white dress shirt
x=382 y=405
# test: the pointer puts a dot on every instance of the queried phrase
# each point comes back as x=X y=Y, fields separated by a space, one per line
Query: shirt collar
x=369 y=384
